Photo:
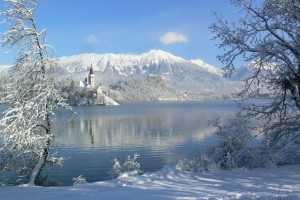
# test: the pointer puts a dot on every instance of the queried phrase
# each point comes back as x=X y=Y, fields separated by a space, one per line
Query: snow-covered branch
x=25 y=127
x=267 y=37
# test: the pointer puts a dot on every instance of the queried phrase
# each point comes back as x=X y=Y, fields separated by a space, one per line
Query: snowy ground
x=170 y=183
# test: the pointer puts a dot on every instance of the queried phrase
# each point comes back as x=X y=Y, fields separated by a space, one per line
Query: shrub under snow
x=79 y=180
x=200 y=163
x=232 y=151
x=130 y=165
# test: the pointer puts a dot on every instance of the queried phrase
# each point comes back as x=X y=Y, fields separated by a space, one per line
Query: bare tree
x=268 y=37
x=25 y=127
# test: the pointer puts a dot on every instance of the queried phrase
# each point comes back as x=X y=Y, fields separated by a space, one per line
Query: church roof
x=91 y=70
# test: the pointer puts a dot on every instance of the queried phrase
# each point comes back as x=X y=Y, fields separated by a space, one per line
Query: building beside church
x=90 y=83
x=99 y=94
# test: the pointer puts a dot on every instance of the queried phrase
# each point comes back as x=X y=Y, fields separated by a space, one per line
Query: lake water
x=159 y=132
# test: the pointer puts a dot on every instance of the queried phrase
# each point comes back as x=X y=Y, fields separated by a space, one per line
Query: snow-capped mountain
x=154 y=61
x=208 y=67
x=121 y=64
x=184 y=75
x=181 y=74
x=251 y=68
x=242 y=73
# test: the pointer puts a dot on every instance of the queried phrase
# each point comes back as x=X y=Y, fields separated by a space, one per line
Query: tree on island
x=268 y=37
x=31 y=98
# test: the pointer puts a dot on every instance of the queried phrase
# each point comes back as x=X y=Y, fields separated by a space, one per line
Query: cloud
x=92 y=39
x=173 y=38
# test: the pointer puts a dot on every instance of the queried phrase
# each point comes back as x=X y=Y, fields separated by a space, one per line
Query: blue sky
x=130 y=26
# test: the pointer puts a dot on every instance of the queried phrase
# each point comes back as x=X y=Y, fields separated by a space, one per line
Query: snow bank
x=109 y=101
x=170 y=183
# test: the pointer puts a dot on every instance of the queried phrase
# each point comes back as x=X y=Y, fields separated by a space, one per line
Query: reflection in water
x=154 y=132
x=158 y=132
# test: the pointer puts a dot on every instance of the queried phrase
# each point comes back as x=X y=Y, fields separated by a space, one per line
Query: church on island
x=101 y=92
x=89 y=82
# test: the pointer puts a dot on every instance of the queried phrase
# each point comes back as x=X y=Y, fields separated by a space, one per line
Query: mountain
x=242 y=73
x=208 y=67
x=192 y=76
x=183 y=75
x=156 y=61
x=152 y=62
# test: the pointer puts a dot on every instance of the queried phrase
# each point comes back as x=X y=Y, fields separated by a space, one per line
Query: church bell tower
x=91 y=78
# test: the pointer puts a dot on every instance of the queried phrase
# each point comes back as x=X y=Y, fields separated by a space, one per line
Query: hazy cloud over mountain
x=92 y=39
x=173 y=38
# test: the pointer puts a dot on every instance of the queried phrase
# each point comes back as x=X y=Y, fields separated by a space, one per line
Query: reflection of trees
x=156 y=132
x=92 y=130
x=134 y=131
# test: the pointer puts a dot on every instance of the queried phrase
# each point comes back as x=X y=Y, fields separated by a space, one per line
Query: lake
x=161 y=132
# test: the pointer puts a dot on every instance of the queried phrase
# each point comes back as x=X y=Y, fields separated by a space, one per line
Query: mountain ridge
x=128 y=64
x=193 y=76
x=184 y=75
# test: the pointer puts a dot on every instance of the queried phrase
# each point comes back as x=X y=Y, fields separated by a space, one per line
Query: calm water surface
x=159 y=132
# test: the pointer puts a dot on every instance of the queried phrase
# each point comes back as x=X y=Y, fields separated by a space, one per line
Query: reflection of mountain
x=156 y=132
x=160 y=132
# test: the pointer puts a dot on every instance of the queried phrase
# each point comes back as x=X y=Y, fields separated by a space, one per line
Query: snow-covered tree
x=232 y=150
x=32 y=100
x=267 y=36
x=143 y=89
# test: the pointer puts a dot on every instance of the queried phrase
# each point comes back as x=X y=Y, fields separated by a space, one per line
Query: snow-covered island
x=282 y=183
x=152 y=76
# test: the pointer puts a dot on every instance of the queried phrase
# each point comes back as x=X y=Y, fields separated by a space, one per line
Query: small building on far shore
x=101 y=90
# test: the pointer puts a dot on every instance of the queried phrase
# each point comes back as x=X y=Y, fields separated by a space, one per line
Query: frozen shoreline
x=170 y=183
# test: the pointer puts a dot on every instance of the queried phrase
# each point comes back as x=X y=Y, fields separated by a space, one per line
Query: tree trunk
x=36 y=171
x=42 y=161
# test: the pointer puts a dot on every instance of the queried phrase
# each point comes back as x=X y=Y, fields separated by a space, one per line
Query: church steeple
x=91 y=69
x=91 y=77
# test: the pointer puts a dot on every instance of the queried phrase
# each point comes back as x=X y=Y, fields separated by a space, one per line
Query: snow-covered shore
x=170 y=183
